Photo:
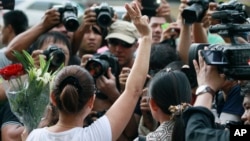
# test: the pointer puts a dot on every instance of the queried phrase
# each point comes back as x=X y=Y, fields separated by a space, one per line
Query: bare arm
x=2 y=93
x=185 y=35
x=199 y=33
x=25 y=39
x=134 y=85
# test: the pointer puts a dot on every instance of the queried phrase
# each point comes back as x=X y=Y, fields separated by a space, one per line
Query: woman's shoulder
x=163 y=132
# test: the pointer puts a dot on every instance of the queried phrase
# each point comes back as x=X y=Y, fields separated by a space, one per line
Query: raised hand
x=164 y=10
x=50 y=19
x=208 y=74
x=141 y=22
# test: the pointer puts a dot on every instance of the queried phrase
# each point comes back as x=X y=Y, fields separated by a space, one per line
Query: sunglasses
x=116 y=42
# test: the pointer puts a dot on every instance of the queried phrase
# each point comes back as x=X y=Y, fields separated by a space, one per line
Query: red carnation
x=13 y=70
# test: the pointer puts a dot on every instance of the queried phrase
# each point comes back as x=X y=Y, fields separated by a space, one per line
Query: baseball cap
x=123 y=30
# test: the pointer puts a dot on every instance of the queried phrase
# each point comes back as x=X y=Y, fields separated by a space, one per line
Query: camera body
x=104 y=15
x=195 y=11
x=231 y=60
x=100 y=63
x=231 y=12
x=68 y=16
x=149 y=7
x=56 y=54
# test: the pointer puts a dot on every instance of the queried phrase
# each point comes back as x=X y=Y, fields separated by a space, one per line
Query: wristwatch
x=204 y=89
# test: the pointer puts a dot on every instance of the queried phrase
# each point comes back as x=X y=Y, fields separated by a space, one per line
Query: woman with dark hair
x=169 y=95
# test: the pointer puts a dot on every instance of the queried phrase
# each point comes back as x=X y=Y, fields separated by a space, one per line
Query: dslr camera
x=68 y=16
x=195 y=11
x=149 y=7
x=100 y=63
x=55 y=54
x=104 y=15
x=233 y=60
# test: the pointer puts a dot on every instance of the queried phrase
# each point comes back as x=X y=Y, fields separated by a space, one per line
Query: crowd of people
x=149 y=86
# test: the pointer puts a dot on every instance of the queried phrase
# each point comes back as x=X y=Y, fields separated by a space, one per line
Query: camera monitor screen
x=214 y=57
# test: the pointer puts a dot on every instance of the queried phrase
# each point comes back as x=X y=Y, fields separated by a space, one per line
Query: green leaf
x=44 y=65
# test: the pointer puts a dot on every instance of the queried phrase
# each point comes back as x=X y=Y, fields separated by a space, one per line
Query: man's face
x=155 y=24
x=246 y=104
x=123 y=51
x=91 y=40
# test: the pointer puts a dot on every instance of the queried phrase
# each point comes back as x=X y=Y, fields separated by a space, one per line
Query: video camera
x=195 y=11
x=8 y=4
x=56 y=54
x=68 y=16
x=233 y=60
x=104 y=15
x=100 y=63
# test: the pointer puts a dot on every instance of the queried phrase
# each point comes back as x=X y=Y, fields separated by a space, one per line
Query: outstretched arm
x=121 y=111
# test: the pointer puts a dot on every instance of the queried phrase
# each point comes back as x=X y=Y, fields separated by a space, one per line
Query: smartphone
x=149 y=7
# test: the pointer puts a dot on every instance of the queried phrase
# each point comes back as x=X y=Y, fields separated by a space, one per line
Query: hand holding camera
x=89 y=18
x=207 y=74
x=56 y=54
x=164 y=10
x=50 y=19
x=68 y=16
x=107 y=85
x=172 y=31
x=104 y=14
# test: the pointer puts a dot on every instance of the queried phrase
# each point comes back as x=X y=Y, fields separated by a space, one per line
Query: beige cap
x=124 y=31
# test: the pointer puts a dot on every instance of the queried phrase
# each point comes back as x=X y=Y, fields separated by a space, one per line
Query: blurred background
x=35 y=8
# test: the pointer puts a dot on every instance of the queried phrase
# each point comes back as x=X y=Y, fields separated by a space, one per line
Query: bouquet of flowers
x=28 y=88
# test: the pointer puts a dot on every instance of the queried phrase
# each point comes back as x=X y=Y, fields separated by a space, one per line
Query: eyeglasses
x=116 y=42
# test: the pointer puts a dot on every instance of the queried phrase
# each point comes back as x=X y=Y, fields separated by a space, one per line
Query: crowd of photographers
x=197 y=70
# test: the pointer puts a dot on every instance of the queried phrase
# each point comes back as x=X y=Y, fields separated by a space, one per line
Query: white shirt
x=100 y=130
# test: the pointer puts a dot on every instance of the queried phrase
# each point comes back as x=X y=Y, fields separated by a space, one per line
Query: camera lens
x=193 y=13
x=97 y=67
x=56 y=54
x=58 y=58
x=104 y=19
x=70 y=21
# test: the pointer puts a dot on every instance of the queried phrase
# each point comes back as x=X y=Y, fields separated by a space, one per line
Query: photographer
x=90 y=36
x=199 y=119
x=51 y=21
x=122 y=43
x=205 y=128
